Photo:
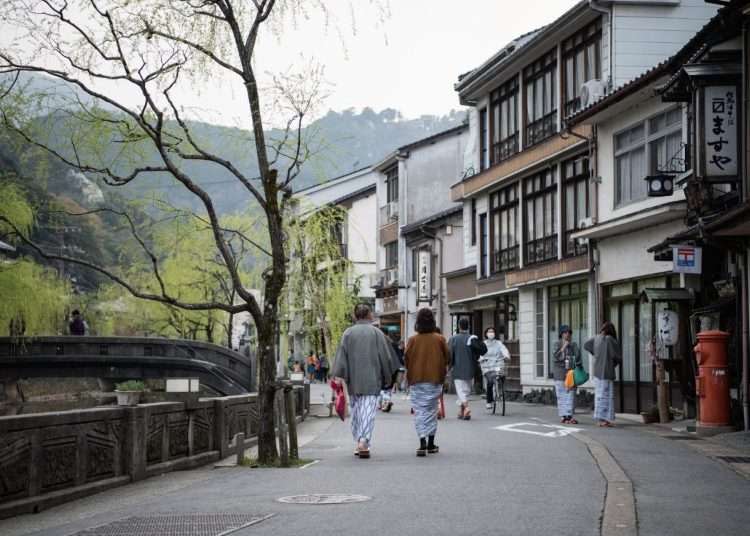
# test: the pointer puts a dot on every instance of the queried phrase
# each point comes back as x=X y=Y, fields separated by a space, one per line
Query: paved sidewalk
x=515 y=475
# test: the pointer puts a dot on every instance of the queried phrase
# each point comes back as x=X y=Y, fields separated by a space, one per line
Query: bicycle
x=499 y=393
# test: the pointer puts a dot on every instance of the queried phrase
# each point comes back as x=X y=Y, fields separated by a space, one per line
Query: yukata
x=563 y=361
x=366 y=362
x=465 y=350
x=425 y=398
x=607 y=356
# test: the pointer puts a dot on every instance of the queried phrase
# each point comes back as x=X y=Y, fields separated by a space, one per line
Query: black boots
x=432 y=448
x=422 y=450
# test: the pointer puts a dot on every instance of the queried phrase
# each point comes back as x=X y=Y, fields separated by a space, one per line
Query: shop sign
x=720 y=131
x=687 y=259
x=424 y=276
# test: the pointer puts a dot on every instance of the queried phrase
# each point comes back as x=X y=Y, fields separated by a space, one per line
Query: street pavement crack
x=619 y=515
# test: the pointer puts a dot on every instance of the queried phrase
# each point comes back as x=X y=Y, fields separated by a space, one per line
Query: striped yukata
x=424 y=399
x=363 y=410
x=566 y=399
x=604 y=400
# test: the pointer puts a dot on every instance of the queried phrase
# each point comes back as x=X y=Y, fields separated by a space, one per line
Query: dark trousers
x=490 y=376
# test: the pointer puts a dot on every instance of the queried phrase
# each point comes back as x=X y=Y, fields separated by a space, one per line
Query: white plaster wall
x=453 y=246
x=430 y=171
x=362 y=240
x=626 y=256
x=526 y=335
x=645 y=35
x=606 y=160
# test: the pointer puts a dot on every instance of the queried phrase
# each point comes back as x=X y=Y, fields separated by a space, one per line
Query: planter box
x=128 y=398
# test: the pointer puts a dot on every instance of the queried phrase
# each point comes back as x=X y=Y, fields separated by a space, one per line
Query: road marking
x=544 y=430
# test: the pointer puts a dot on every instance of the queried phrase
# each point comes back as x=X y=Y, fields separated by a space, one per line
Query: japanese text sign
x=424 y=276
x=720 y=131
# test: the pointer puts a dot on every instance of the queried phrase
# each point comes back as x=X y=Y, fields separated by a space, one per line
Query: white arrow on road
x=547 y=430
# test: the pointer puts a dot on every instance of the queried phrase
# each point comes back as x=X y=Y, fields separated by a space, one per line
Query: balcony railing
x=389 y=213
x=542 y=249
x=541 y=129
x=505 y=259
x=505 y=149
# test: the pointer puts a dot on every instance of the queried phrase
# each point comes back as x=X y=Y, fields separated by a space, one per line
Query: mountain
x=340 y=142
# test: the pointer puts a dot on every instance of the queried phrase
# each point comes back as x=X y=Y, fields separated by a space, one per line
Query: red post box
x=712 y=383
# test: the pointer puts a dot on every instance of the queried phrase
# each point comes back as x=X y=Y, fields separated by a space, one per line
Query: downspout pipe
x=596 y=5
x=745 y=334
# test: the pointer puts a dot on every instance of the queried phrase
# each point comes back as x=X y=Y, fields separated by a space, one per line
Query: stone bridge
x=121 y=358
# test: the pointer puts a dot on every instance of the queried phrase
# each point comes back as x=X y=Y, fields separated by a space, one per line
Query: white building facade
x=526 y=270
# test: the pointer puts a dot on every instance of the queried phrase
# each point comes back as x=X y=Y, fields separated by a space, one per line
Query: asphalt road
x=484 y=481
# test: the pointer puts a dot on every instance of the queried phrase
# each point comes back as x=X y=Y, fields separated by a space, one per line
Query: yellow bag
x=570 y=381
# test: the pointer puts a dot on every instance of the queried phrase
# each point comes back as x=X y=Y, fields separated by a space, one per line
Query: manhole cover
x=176 y=525
x=324 y=498
x=734 y=459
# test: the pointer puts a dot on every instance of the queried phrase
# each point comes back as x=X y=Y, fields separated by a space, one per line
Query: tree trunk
x=229 y=330
x=267 y=452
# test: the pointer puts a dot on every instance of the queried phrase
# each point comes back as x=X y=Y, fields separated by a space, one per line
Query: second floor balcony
x=389 y=213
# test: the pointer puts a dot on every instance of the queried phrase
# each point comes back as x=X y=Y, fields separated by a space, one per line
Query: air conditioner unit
x=393 y=210
x=586 y=222
x=592 y=91
x=392 y=276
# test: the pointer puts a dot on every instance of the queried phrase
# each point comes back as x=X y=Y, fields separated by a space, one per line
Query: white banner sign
x=424 y=276
x=720 y=131
x=686 y=259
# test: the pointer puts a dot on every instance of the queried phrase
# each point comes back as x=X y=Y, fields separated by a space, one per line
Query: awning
x=666 y=294
x=633 y=222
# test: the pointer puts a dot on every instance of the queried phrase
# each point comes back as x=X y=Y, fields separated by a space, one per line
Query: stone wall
x=50 y=458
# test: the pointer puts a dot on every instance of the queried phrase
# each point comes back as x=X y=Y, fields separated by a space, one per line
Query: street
x=523 y=479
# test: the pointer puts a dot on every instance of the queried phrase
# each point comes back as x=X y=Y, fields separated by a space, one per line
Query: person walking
x=465 y=350
x=324 y=366
x=365 y=362
x=77 y=324
x=566 y=355
x=310 y=362
x=606 y=351
x=492 y=363
x=426 y=359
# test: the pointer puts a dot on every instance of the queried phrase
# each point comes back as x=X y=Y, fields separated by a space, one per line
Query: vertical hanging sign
x=424 y=276
x=720 y=118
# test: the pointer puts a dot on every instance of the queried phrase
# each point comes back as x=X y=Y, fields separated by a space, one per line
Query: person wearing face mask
x=566 y=355
x=493 y=362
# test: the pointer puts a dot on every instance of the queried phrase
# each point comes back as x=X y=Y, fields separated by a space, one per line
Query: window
x=568 y=304
x=540 y=196
x=577 y=201
x=391 y=255
x=483 y=245
x=484 y=160
x=541 y=98
x=391 y=183
x=539 y=325
x=504 y=121
x=473 y=222
x=646 y=148
x=582 y=59
x=504 y=229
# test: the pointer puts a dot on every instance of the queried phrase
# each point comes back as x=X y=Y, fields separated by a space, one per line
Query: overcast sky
x=411 y=60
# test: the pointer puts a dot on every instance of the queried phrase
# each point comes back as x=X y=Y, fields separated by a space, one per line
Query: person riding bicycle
x=493 y=362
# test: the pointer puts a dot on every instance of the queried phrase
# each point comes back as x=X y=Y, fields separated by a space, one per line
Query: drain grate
x=324 y=498
x=734 y=459
x=176 y=525
x=680 y=438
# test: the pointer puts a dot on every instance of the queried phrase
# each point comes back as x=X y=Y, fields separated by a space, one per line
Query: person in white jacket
x=493 y=362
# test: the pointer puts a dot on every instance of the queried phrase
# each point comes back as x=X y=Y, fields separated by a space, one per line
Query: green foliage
x=33 y=296
x=15 y=207
x=131 y=385
x=320 y=280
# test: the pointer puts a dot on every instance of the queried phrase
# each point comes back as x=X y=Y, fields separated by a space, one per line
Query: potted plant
x=129 y=392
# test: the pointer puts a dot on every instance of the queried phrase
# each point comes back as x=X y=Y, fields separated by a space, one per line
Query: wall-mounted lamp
x=661 y=185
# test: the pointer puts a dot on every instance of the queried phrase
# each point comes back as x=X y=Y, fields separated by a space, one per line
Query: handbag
x=580 y=376
x=570 y=380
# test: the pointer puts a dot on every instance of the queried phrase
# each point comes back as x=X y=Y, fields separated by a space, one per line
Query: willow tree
x=34 y=298
x=129 y=62
x=322 y=280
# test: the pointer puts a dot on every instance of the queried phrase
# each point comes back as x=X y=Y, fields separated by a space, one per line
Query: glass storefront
x=567 y=304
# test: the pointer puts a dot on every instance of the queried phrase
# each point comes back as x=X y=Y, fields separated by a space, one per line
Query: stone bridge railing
x=50 y=458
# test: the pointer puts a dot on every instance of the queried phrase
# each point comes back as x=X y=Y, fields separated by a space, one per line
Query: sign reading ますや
x=687 y=259
x=424 y=276
x=720 y=118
